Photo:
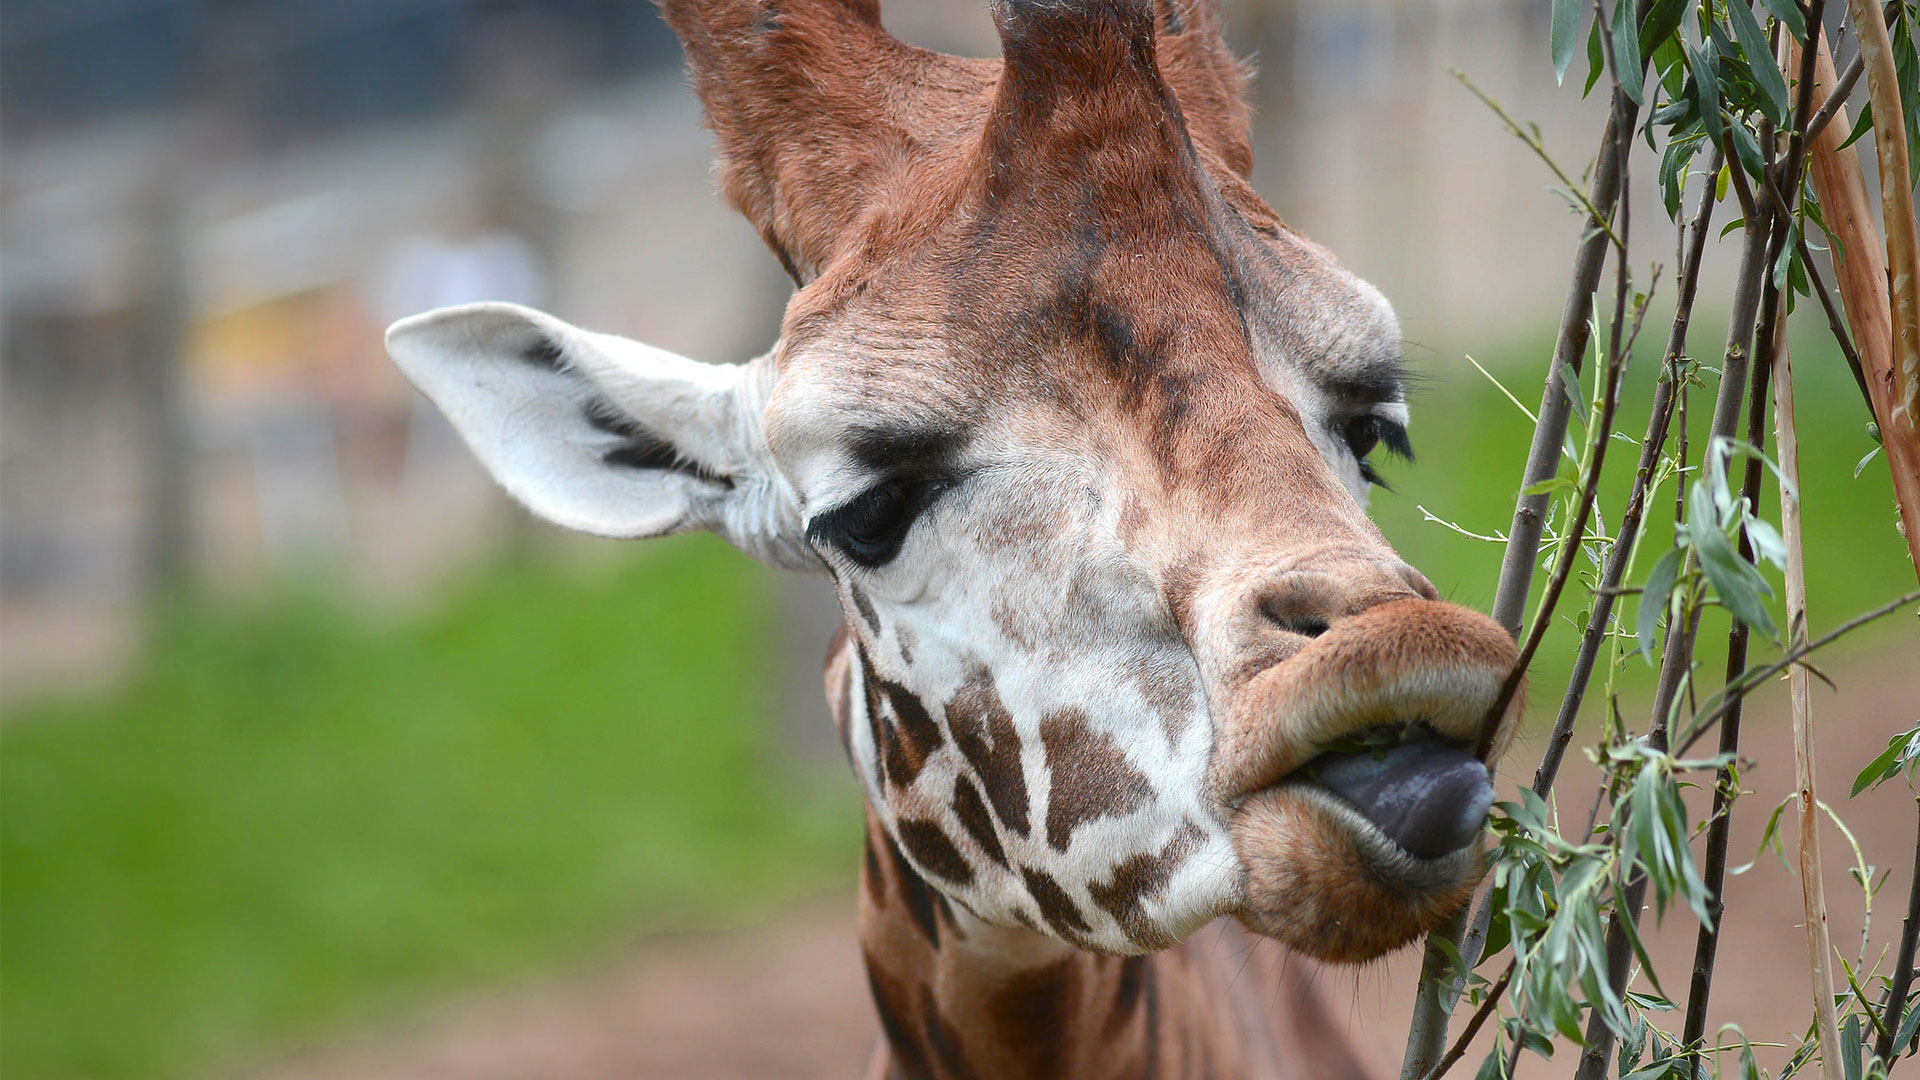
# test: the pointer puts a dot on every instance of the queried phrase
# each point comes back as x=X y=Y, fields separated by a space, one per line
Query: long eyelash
x=1395 y=438
x=1371 y=477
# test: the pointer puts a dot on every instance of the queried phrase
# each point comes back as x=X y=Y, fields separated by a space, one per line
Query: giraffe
x=1081 y=433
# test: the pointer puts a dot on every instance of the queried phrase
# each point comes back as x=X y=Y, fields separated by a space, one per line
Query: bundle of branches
x=1741 y=106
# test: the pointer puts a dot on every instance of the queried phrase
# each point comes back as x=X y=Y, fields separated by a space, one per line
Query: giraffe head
x=1080 y=430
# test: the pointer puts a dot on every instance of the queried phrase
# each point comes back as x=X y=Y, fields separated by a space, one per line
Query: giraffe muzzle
x=1356 y=805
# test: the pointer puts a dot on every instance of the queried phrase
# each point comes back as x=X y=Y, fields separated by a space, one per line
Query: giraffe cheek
x=1323 y=880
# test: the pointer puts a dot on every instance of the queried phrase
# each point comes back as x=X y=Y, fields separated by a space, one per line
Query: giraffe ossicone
x=1079 y=429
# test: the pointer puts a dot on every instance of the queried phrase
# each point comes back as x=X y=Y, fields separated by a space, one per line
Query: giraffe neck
x=961 y=999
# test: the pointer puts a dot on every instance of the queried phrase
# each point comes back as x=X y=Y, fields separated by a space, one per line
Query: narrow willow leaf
x=1860 y=127
x=1737 y=584
x=1565 y=31
x=1908 y=1026
x=1640 y=952
x=1901 y=749
x=1788 y=253
x=1596 y=59
x=1906 y=65
x=1633 y=1046
x=1570 y=385
x=1850 y=1047
x=1747 y=149
x=1706 y=84
x=1653 y=600
x=1861 y=466
x=1673 y=174
x=1626 y=52
x=1663 y=18
x=1760 y=61
x=1766 y=542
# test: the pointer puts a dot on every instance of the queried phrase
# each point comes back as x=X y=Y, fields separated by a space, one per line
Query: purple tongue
x=1428 y=798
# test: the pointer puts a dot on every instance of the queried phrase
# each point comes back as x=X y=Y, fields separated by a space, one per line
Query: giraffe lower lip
x=1428 y=798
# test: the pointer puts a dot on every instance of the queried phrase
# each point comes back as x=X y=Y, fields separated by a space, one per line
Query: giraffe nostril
x=1304 y=625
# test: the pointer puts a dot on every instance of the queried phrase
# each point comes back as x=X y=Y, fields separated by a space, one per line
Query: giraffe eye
x=871 y=527
x=1364 y=433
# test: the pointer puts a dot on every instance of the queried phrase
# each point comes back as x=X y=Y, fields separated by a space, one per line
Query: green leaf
x=1550 y=484
x=1861 y=466
x=1747 y=149
x=1653 y=599
x=1850 y=1047
x=1626 y=52
x=1901 y=749
x=1788 y=12
x=1706 y=87
x=1906 y=66
x=1788 y=253
x=1673 y=173
x=1663 y=18
x=1570 y=385
x=1737 y=584
x=1596 y=59
x=1766 y=72
x=1655 y=1071
x=1628 y=923
x=1908 y=1026
x=1633 y=1046
x=1860 y=127
x=1670 y=59
x=1565 y=31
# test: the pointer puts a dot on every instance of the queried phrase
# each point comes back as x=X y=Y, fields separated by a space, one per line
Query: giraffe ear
x=606 y=435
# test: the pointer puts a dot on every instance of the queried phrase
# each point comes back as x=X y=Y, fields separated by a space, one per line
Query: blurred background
x=318 y=758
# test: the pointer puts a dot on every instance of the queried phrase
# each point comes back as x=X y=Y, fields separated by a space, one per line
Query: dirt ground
x=789 y=1000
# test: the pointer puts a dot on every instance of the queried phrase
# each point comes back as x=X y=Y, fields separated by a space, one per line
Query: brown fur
x=952 y=1007
x=1069 y=234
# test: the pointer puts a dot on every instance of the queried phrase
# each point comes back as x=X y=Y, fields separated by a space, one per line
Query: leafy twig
x=1752 y=680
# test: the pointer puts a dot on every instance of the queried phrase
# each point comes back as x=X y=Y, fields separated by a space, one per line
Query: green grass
x=1472 y=442
x=301 y=818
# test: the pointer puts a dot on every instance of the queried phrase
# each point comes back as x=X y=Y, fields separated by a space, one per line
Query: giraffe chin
x=1325 y=880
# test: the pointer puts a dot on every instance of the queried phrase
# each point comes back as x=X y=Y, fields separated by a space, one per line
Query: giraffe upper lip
x=1407 y=660
x=1429 y=798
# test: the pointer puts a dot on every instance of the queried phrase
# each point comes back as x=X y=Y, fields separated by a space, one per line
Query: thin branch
x=1659 y=423
x=1813 y=894
x=1530 y=136
x=1771 y=326
x=1618 y=354
x=1543 y=456
x=1753 y=680
x=1599 y=1041
x=1429 y=1024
